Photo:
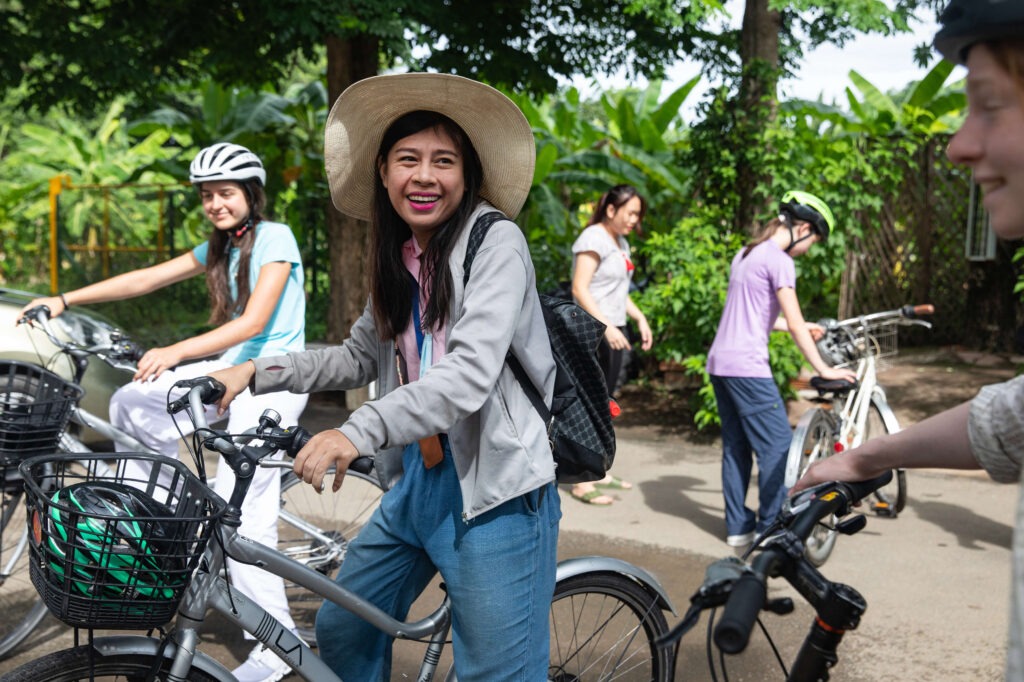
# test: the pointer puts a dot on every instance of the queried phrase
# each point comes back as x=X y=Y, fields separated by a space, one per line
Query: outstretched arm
x=941 y=441
x=265 y=295
x=125 y=286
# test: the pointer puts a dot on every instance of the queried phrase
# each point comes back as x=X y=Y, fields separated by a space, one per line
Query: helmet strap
x=250 y=220
x=793 y=241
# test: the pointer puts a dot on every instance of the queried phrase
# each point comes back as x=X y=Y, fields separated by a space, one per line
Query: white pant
x=140 y=409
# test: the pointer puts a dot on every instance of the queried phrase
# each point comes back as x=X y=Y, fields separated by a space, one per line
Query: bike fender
x=892 y=425
x=604 y=564
x=134 y=644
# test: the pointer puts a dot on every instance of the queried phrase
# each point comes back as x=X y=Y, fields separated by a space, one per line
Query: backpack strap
x=476 y=237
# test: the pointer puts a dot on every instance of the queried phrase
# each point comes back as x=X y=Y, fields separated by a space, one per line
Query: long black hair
x=390 y=292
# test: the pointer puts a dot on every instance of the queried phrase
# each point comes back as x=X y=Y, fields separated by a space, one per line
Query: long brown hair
x=391 y=297
x=763 y=233
x=222 y=309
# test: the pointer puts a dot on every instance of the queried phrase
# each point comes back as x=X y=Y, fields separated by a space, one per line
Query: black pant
x=611 y=363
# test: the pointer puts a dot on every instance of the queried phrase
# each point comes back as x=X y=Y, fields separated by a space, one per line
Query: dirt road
x=936 y=579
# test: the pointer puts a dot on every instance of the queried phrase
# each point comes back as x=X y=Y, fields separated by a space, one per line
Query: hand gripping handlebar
x=750 y=591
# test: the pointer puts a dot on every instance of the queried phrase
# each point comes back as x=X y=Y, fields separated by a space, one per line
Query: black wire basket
x=35 y=405
x=115 y=548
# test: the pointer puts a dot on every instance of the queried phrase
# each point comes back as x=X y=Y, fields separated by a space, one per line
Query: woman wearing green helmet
x=762 y=284
x=988 y=431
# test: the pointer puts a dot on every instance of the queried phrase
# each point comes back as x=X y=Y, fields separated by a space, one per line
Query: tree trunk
x=759 y=57
x=348 y=60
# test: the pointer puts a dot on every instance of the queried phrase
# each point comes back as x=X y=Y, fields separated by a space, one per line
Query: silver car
x=81 y=326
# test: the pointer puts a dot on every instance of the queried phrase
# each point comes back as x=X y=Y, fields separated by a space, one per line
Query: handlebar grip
x=299 y=441
x=133 y=351
x=913 y=311
x=211 y=391
x=858 y=490
x=40 y=313
x=745 y=601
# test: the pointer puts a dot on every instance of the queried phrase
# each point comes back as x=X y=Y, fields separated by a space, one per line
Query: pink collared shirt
x=411 y=255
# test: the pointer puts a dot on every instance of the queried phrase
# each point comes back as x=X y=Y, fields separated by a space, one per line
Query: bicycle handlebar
x=207 y=390
x=908 y=314
x=121 y=352
x=749 y=592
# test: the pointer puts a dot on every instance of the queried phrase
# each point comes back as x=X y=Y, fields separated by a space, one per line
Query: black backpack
x=579 y=421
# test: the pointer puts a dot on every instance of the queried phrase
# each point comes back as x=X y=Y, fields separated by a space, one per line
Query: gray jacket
x=498 y=441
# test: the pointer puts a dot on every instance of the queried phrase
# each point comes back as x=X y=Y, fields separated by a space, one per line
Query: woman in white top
x=602 y=271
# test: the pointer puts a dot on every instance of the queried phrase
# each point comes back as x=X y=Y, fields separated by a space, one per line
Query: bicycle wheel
x=603 y=627
x=22 y=607
x=892 y=498
x=86 y=663
x=315 y=529
x=813 y=440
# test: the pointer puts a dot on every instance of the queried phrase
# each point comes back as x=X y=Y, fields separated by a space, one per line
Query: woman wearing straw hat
x=421 y=156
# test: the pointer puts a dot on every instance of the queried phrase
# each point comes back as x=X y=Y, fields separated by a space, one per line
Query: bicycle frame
x=853 y=416
x=208 y=590
x=82 y=417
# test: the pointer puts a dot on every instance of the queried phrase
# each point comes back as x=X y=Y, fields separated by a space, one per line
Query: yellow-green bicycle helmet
x=807 y=207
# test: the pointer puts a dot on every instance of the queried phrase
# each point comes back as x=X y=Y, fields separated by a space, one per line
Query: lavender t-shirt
x=740 y=348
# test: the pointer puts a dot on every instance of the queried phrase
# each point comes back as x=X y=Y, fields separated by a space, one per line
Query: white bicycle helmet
x=226 y=161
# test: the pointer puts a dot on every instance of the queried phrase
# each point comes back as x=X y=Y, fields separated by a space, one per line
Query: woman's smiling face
x=225 y=203
x=991 y=140
x=423 y=176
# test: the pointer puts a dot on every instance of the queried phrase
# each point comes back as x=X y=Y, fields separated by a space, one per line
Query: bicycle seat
x=832 y=385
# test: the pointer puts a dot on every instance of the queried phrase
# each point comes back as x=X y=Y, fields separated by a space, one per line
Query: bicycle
x=35 y=406
x=851 y=413
x=606 y=614
x=741 y=587
x=313 y=529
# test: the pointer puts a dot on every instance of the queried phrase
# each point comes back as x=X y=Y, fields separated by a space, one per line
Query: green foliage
x=583 y=148
x=147 y=50
x=90 y=153
x=850 y=160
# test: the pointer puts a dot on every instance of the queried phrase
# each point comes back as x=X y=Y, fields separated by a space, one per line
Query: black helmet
x=112 y=540
x=966 y=22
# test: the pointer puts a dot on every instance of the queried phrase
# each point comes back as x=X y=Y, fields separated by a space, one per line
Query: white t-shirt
x=610 y=284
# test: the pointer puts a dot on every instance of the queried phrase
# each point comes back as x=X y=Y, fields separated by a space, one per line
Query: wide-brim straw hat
x=497 y=128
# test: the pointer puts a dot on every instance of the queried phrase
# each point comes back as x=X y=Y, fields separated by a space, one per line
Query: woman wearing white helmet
x=255 y=279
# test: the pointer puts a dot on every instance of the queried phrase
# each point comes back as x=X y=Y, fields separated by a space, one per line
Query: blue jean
x=754 y=420
x=499 y=569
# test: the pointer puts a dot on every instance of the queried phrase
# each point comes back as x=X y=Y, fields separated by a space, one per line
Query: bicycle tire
x=334 y=520
x=85 y=663
x=890 y=499
x=813 y=439
x=604 y=627
x=21 y=605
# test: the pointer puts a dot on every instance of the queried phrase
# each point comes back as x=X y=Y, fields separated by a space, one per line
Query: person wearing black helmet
x=254 y=276
x=987 y=432
x=762 y=284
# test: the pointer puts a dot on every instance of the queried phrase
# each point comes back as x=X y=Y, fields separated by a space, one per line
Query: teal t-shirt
x=286 y=330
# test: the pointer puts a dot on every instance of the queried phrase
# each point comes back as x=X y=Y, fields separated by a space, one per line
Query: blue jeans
x=499 y=569
x=753 y=421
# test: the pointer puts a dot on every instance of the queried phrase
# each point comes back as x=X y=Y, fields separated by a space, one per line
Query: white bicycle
x=848 y=414
x=313 y=529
